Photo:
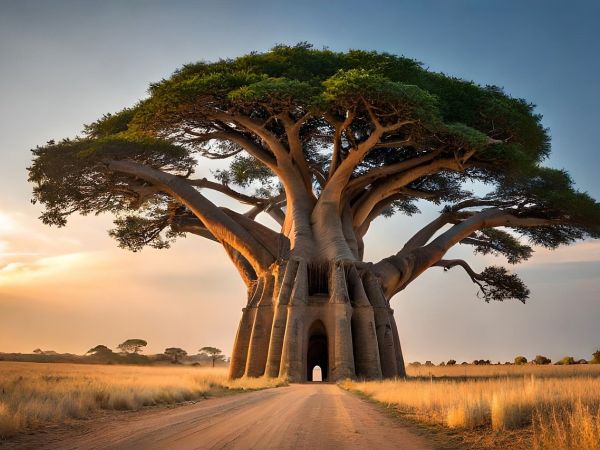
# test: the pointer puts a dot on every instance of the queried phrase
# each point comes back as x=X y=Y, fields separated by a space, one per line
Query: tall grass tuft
x=568 y=427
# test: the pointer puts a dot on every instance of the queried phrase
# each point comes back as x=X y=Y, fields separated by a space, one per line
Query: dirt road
x=304 y=416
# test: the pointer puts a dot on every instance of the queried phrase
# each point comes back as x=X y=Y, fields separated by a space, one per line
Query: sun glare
x=7 y=223
x=42 y=268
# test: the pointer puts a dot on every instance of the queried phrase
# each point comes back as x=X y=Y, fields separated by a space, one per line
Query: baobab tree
x=323 y=143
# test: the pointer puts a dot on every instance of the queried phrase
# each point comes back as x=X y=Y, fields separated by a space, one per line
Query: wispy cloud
x=47 y=268
x=28 y=253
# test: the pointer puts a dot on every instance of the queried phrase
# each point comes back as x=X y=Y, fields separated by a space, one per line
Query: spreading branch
x=223 y=227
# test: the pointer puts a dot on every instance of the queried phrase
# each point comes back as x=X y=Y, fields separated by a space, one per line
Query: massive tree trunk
x=332 y=314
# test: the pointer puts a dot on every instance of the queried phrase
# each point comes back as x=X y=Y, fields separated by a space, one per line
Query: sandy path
x=303 y=416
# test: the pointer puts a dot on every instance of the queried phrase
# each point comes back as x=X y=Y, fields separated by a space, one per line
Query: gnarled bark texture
x=300 y=303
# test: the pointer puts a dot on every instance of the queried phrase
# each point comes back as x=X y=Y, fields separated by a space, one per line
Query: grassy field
x=540 y=407
x=503 y=371
x=33 y=395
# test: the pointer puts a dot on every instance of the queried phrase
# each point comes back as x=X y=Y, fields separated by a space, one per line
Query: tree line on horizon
x=131 y=348
x=130 y=353
x=127 y=352
x=520 y=360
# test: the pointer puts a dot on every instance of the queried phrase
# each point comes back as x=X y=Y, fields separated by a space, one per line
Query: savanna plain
x=499 y=406
x=492 y=406
x=34 y=395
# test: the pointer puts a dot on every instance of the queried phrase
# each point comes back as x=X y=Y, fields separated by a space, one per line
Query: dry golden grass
x=503 y=371
x=566 y=428
x=558 y=407
x=33 y=394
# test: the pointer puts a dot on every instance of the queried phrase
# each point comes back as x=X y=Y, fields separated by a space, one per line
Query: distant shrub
x=595 y=357
x=566 y=361
x=429 y=363
x=542 y=360
x=451 y=362
x=482 y=362
x=520 y=360
x=415 y=363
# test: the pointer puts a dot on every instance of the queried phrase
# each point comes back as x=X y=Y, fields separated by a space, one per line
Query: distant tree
x=175 y=353
x=582 y=361
x=213 y=353
x=100 y=350
x=520 y=360
x=542 y=360
x=132 y=345
x=566 y=361
x=451 y=362
x=38 y=351
x=428 y=363
x=415 y=363
x=596 y=357
x=442 y=364
x=482 y=362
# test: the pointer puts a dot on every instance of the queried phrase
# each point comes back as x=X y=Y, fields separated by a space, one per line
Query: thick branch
x=223 y=227
x=380 y=207
x=488 y=218
x=268 y=238
x=292 y=130
x=300 y=198
x=378 y=173
x=338 y=182
x=339 y=127
x=276 y=214
x=244 y=268
x=272 y=207
x=421 y=237
x=243 y=141
x=192 y=225
x=258 y=129
x=425 y=255
x=392 y=185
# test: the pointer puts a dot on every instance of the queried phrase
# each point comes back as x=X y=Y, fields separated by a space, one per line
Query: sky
x=65 y=63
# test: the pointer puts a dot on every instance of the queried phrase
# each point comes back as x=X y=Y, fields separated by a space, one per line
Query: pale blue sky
x=64 y=63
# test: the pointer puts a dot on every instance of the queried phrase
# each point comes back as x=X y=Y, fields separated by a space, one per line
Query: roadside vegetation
x=524 y=405
x=33 y=395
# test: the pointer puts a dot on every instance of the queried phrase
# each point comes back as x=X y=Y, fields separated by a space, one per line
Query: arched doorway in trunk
x=317 y=374
x=317 y=353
